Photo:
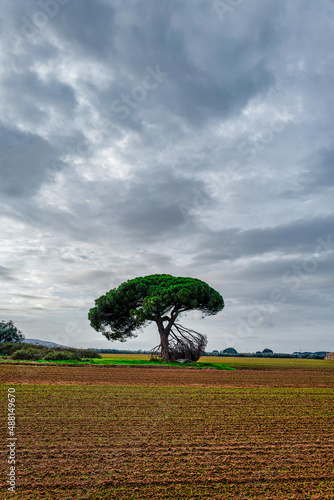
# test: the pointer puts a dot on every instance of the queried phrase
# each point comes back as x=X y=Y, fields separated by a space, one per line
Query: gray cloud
x=302 y=236
x=6 y=274
x=36 y=96
x=25 y=162
x=319 y=175
x=89 y=30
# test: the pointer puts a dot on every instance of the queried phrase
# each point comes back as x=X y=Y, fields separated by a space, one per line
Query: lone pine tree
x=160 y=298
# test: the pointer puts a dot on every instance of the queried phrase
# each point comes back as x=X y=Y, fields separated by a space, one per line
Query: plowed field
x=140 y=433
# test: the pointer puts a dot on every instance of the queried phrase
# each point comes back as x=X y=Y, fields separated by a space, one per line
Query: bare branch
x=183 y=343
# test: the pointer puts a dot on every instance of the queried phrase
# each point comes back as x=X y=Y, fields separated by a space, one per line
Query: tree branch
x=183 y=343
x=165 y=318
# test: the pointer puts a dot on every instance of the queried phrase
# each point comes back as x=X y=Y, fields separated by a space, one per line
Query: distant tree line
x=19 y=350
x=266 y=353
x=231 y=352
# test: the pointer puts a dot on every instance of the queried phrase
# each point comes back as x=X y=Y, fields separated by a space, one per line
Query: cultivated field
x=115 y=432
x=250 y=363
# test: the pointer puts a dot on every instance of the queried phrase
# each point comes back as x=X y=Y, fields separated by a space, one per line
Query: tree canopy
x=160 y=298
x=230 y=350
x=9 y=332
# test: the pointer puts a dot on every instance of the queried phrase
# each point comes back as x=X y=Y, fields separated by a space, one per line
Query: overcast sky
x=188 y=137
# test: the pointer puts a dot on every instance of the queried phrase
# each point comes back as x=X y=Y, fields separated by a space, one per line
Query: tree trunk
x=163 y=340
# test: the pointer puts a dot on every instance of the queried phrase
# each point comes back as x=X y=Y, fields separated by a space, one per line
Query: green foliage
x=70 y=354
x=89 y=353
x=230 y=350
x=29 y=354
x=40 y=352
x=60 y=356
x=7 y=348
x=9 y=332
x=11 y=347
x=122 y=310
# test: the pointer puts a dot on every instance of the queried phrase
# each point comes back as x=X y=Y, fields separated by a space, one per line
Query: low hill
x=44 y=343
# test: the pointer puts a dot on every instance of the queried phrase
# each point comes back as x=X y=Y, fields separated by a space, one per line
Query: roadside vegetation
x=34 y=352
x=31 y=352
x=60 y=355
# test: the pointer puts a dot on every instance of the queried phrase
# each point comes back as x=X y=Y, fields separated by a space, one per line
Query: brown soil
x=133 y=433
x=130 y=375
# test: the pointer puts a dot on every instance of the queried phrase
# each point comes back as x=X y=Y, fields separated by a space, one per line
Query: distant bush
x=34 y=351
x=60 y=356
x=7 y=348
x=11 y=347
x=89 y=353
x=29 y=354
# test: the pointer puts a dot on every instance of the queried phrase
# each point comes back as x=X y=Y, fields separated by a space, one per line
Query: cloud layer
x=169 y=137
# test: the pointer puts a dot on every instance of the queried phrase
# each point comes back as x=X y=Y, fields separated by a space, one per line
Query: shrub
x=33 y=352
x=11 y=347
x=7 y=348
x=29 y=353
x=89 y=353
x=60 y=356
